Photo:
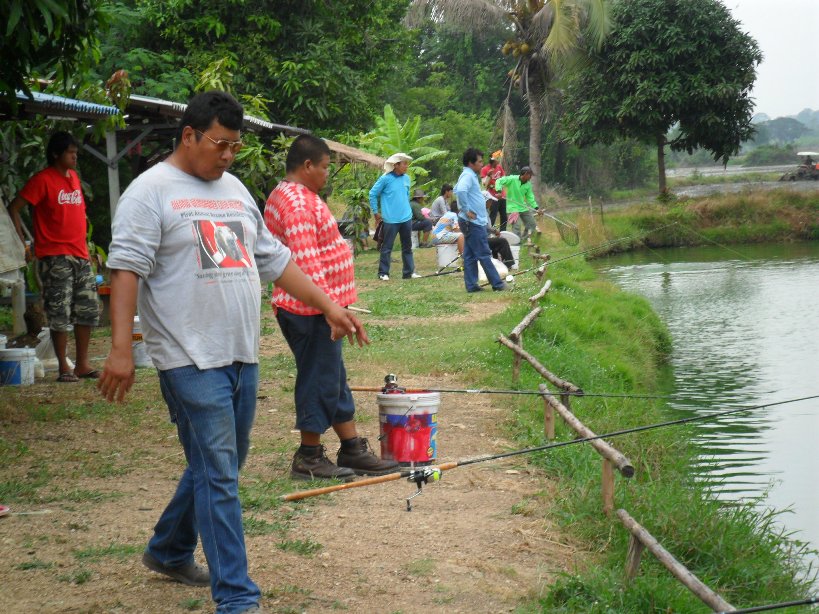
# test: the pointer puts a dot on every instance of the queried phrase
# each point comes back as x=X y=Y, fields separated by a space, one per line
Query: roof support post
x=113 y=170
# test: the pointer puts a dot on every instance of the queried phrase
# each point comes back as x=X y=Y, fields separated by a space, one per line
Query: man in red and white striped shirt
x=299 y=218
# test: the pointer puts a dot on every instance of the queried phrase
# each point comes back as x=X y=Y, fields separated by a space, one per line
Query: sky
x=787 y=32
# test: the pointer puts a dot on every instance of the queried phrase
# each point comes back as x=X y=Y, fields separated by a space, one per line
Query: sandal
x=92 y=374
x=67 y=378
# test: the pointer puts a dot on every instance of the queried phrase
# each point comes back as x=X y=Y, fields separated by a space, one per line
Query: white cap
x=488 y=196
x=395 y=159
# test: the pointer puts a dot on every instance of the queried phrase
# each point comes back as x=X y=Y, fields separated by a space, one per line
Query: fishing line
x=580 y=393
x=422 y=475
x=774 y=606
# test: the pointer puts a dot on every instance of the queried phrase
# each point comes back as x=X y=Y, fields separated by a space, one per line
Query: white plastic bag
x=45 y=352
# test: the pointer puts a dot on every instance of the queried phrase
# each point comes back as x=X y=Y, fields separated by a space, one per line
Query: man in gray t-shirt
x=190 y=246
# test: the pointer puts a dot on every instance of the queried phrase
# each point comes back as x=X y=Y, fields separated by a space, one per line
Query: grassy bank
x=602 y=340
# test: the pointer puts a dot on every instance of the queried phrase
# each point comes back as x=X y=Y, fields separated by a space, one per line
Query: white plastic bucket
x=138 y=351
x=499 y=267
x=409 y=427
x=3 y=341
x=516 y=255
x=17 y=367
x=446 y=254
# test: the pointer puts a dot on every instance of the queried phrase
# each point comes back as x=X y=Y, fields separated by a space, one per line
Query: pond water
x=745 y=325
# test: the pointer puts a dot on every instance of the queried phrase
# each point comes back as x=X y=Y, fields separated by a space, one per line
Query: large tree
x=47 y=37
x=321 y=65
x=668 y=63
x=541 y=35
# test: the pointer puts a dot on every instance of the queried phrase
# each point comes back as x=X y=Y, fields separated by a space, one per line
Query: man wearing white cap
x=393 y=191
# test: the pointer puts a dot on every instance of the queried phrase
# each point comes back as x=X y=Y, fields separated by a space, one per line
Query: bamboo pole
x=605 y=450
x=535 y=298
x=544 y=257
x=607 y=486
x=677 y=569
x=547 y=375
x=540 y=271
x=516 y=361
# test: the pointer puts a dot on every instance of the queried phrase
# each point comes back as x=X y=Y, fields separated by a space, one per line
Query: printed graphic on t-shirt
x=221 y=245
x=65 y=197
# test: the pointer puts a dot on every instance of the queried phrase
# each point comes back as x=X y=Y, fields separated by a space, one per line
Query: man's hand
x=345 y=324
x=471 y=215
x=117 y=375
x=377 y=217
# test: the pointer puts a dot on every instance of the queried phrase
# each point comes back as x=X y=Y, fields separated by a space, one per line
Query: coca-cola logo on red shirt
x=69 y=198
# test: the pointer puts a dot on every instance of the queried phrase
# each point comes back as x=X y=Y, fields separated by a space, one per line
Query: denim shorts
x=69 y=292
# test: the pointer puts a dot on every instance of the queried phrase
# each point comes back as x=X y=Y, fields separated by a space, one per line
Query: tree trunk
x=661 y=163
x=535 y=126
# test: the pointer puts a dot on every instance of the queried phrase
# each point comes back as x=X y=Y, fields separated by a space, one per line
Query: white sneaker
x=415 y=276
x=384 y=277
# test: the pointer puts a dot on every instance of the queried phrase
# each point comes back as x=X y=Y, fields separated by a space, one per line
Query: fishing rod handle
x=315 y=492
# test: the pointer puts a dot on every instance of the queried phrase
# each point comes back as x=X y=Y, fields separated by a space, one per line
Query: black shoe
x=478 y=289
x=363 y=461
x=192 y=574
x=318 y=467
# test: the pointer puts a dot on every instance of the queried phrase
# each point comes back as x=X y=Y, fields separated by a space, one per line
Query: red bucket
x=409 y=427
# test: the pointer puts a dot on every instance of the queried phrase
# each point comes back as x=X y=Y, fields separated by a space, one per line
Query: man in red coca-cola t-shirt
x=60 y=227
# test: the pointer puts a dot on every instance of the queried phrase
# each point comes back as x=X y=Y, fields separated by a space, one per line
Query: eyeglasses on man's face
x=223 y=144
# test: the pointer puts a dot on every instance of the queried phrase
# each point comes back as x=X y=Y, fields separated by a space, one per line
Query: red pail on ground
x=409 y=427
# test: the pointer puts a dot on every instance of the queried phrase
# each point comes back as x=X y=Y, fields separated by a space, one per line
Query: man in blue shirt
x=393 y=190
x=472 y=220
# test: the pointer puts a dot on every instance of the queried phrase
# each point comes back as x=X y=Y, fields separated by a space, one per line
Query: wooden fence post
x=548 y=420
x=607 y=487
x=635 y=553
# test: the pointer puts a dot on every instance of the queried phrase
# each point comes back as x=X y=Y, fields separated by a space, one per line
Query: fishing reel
x=420 y=477
x=391 y=385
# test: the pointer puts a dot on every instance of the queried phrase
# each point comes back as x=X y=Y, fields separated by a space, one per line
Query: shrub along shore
x=603 y=339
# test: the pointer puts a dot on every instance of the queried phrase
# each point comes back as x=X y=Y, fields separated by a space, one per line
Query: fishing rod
x=423 y=475
x=774 y=606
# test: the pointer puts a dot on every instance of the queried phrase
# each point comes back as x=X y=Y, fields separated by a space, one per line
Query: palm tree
x=543 y=35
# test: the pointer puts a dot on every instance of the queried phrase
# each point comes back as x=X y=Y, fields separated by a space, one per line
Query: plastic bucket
x=510 y=236
x=414 y=235
x=17 y=367
x=138 y=351
x=446 y=253
x=499 y=267
x=409 y=427
x=516 y=255
x=3 y=341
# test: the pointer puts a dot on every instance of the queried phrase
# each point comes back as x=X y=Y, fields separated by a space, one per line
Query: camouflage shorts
x=69 y=292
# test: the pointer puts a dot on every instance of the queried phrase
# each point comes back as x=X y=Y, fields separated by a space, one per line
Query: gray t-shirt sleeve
x=135 y=235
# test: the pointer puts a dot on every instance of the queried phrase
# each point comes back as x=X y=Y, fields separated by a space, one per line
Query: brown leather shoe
x=363 y=460
x=318 y=467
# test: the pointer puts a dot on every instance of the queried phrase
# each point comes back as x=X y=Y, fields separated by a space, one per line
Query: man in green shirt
x=520 y=202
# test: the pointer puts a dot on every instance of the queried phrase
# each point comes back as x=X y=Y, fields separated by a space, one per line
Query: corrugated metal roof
x=168 y=108
x=49 y=104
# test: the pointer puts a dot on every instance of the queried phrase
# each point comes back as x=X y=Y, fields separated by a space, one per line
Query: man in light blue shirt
x=393 y=190
x=472 y=218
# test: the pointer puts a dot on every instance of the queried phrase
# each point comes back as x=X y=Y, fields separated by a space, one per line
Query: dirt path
x=480 y=540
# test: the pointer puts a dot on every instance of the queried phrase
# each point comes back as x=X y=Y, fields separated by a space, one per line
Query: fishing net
x=568 y=231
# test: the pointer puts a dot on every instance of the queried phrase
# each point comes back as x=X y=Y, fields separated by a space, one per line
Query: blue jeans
x=323 y=397
x=476 y=249
x=404 y=229
x=213 y=410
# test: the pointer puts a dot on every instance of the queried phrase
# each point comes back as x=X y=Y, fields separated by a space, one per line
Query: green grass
x=119 y=551
x=305 y=547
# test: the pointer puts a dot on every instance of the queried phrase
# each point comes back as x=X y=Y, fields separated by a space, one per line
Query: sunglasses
x=223 y=144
